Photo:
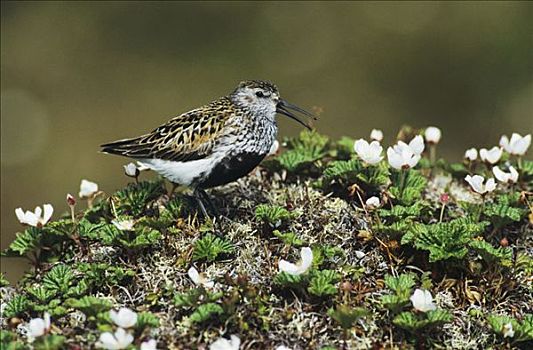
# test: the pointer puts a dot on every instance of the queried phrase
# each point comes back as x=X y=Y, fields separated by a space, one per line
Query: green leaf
x=16 y=306
x=49 y=342
x=59 y=279
x=205 y=312
x=503 y=214
x=346 y=170
x=402 y=287
x=25 y=242
x=188 y=299
x=288 y=280
x=346 y=316
x=41 y=294
x=523 y=331
x=323 y=283
x=8 y=341
x=133 y=199
x=413 y=323
x=304 y=150
x=353 y=171
x=445 y=240
x=501 y=255
x=400 y=212
x=415 y=184
x=402 y=284
x=90 y=305
x=210 y=247
x=289 y=238
x=146 y=320
x=3 y=280
x=272 y=214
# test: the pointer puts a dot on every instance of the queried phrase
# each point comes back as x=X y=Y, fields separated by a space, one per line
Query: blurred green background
x=77 y=74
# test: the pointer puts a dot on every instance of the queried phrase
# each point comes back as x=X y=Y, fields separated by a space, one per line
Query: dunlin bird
x=214 y=144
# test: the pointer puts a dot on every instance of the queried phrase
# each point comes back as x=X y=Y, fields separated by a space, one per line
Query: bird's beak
x=285 y=108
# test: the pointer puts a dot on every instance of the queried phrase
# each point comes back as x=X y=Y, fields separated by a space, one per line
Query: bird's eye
x=259 y=94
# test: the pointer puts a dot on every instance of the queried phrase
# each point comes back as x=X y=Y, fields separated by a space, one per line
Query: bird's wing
x=190 y=136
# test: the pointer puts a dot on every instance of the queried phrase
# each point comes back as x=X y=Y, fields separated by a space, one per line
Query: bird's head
x=262 y=99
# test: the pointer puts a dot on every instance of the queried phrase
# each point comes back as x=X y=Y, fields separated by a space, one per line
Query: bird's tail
x=126 y=147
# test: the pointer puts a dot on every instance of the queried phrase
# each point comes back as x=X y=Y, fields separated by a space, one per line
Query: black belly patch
x=231 y=169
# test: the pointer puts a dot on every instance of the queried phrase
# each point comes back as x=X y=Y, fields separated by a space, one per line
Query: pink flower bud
x=444 y=198
x=71 y=201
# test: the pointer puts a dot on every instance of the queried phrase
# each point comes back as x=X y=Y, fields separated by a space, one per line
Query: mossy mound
x=473 y=253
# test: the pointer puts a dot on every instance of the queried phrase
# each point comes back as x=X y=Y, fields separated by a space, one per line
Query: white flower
x=119 y=340
x=417 y=145
x=471 y=154
x=422 y=300
x=124 y=225
x=372 y=203
x=376 y=135
x=432 y=134
x=124 y=318
x=518 y=145
x=402 y=156
x=88 y=189
x=131 y=170
x=199 y=278
x=149 y=345
x=282 y=347
x=301 y=266
x=369 y=153
x=510 y=177
x=478 y=185
x=508 y=331
x=37 y=218
x=39 y=326
x=224 y=344
x=491 y=156
x=274 y=148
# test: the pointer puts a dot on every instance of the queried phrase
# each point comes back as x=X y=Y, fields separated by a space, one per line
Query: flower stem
x=442 y=212
x=72 y=213
x=432 y=154
x=403 y=175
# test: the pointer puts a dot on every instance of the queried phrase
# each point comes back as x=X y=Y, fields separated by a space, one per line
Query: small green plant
x=50 y=342
x=146 y=320
x=205 y=312
x=401 y=287
x=273 y=215
x=287 y=280
x=353 y=171
x=132 y=200
x=289 y=238
x=16 y=306
x=323 y=283
x=347 y=316
x=302 y=151
x=59 y=279
x=408 y=186
x=511 y=328
x=501 y=255
x=90 y=305
x=210 y=247
x=415 y=322
x=444 y=240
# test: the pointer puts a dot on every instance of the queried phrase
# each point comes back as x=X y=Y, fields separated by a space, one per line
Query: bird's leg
x=202 y=197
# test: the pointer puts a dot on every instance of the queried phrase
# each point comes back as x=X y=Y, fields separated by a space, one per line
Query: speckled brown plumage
x=214 y=144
